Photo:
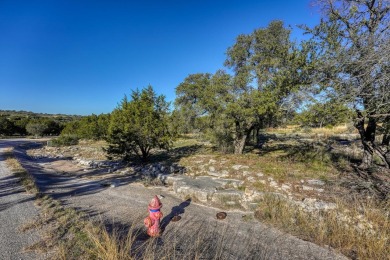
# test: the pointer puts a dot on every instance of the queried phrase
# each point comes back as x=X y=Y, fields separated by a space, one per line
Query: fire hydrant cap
x=155 y=203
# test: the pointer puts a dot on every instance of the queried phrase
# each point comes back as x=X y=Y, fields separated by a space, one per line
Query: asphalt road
x=16 y=209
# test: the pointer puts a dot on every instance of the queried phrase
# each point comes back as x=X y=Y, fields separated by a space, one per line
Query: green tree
x=71 y=128
x=353 y=40
x=52 y=127
x=191 y=95
x=20 y=123
x=139 y=125
x=6 y=126
x=320 y=114
x=93 y=127
x=89 y=127
x=267 y=68
x=36 y=128
x=103 y=121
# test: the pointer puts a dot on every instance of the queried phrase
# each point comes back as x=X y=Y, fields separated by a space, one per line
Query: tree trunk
x=385 y=146
x=257 y=136
x=239 y=144
x=367 y=136
x=386 y=140
x=386 y=134
x=368 y=156
x=370 y=148
x=240 y=138
x=384 y=156
x=145 y=153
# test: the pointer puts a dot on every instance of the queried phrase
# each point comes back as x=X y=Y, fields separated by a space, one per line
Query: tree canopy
x=324 y=114
x=353 y=43
x=93 y=127
x=139 y=125
x=267 y=68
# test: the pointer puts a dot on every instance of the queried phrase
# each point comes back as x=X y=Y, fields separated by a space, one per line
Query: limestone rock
x=238 y=167
x=227 y=197
x=286 y=187
x=273 y=184
x=308 y=188
x=251 y=179
x=221 y=174
x=316 y=182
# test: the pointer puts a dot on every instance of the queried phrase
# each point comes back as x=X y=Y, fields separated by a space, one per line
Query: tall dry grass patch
x=326 y=131
x=360 y=229
x=17 y=169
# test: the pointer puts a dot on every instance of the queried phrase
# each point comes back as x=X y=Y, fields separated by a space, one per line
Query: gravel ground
x=16 y=209
x=239 y=236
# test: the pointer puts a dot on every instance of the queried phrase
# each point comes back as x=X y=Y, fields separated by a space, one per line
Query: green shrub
x=65 y=140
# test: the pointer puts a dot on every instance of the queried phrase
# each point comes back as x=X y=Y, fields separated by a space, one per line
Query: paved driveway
x=16 y=209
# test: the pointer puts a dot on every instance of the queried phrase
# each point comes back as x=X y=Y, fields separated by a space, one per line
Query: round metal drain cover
x=221 y=215
x=176 y=218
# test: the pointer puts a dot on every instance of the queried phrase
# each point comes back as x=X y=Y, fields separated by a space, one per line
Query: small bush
x=65 y=140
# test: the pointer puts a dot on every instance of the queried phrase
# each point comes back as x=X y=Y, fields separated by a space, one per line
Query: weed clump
x=359 y=229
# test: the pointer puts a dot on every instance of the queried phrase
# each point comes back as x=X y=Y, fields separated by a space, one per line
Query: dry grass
x=93 y=240
x=341 y=129
x=173 y=245
x=359 y=229
x=17 y=169
x=327 y=131
x=275 y=165
x=64 y=229
x=183 y=142
x=107 y=245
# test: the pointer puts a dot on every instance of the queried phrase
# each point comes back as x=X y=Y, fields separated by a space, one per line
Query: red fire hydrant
x=152 y=222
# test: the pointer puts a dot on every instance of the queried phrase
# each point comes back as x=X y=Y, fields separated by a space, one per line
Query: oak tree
x=353 y=40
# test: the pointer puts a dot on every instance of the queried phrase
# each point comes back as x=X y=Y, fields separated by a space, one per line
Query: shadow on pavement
x=175 y=211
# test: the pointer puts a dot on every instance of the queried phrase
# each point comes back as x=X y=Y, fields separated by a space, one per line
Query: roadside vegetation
x=357 y=227
x=290 y=111
x=17 y=169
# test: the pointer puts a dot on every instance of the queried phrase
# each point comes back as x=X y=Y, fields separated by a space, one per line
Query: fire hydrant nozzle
x=152 y=222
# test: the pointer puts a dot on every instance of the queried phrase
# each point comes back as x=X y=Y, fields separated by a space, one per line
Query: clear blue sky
x=81 y=57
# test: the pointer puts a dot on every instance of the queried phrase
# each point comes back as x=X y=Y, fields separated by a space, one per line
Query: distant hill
x=29 y=114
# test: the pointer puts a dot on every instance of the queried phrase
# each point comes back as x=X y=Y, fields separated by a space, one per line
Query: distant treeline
x=22 y=113
x=96 y=127
x=22 y=123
